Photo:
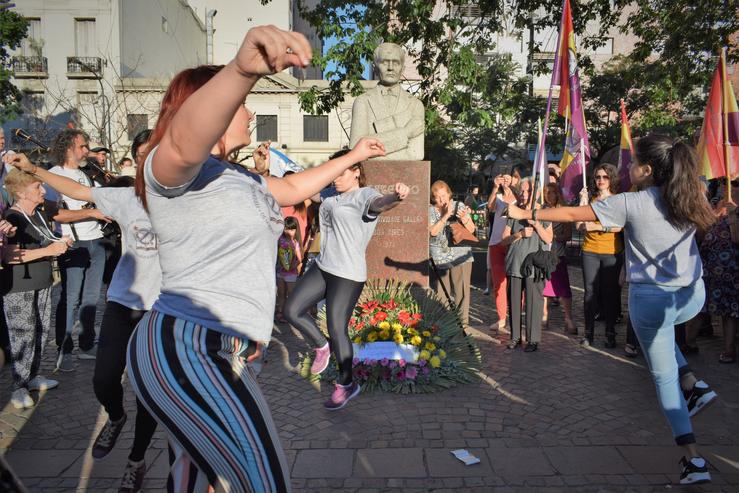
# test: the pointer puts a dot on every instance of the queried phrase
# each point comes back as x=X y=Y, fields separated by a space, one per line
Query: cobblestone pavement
x=562 y=418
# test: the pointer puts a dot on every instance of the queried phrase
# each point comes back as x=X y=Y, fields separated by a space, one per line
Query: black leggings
x=116 y=328
x=341 y=297
x=600 y=276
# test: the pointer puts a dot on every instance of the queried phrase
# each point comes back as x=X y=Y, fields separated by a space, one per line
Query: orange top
x=602 y=242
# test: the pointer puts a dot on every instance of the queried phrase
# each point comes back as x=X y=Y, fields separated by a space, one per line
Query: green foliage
x=477 y=106
x=13 y=29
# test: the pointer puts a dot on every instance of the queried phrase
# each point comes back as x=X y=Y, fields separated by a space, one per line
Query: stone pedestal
x=400 y=246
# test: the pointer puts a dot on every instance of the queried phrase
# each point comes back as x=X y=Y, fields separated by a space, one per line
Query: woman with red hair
x=217 y=226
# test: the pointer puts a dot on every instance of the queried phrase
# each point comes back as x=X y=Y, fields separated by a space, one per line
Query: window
x=84 y=37
x=32 y=43
x=315 y=128
x=135 y=124
x=469 y=10
x=266 y=127
x=606 y=48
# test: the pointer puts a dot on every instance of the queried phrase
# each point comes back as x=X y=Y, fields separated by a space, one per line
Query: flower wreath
x=441 y=355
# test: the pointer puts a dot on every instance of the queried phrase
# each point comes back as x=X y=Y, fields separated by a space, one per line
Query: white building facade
x=81 y=56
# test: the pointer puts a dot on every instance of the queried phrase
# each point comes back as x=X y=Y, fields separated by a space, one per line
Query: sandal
x=631 y=351
x=727 y=358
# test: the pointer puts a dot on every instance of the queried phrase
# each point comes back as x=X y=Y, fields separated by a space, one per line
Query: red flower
x=359 y=326
x=417 y=316
x=380 y=316
x=390 y=305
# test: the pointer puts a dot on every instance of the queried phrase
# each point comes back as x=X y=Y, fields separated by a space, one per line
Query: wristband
x=533 y=214
x=606 y=229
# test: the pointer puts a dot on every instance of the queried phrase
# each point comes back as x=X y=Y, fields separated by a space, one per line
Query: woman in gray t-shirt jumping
x=663 y=270
x=347 y=222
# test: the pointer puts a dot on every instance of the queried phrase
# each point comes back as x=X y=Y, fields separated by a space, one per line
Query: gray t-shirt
x=521 y=248
x=346 y=229
x=656 y=252
x=217 y=248
x=137 y=277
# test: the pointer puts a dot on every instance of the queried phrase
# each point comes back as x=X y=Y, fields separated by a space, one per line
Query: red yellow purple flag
x=718 y=147
x=626 y=151
x=577 y=150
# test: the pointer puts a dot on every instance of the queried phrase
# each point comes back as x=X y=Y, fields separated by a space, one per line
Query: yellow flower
x=385 y=335
x=437 y=338
x=424 y=355
x=372 y=337
x=412 y=331
x=426 y=333
x=435 y=361
x=430 y=346
x=398 y=338
x=416 y=341
x=358 y=340
x=384 y=325
x=442 y=354
x=397 y=327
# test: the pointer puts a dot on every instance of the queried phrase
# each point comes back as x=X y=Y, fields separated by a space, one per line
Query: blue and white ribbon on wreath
x=280 y=163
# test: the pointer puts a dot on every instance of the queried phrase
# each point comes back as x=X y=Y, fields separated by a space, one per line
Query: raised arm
x=390 y=200
x=204 y=117
x=555 y=214
x=295 y=188
x=61 y=184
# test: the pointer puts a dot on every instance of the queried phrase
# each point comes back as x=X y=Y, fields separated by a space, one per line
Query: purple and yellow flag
x=577 y=150
x=718 y=148
x=626 y=150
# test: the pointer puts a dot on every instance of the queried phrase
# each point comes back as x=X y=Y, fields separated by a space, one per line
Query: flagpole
x=582 y=161
x=725 y=118
x=555 y=68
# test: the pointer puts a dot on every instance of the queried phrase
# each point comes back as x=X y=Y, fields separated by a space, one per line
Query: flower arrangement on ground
x=431 y=352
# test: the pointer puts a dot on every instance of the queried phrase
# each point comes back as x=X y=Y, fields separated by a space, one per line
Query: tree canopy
x=481 y=104
x=13 y=28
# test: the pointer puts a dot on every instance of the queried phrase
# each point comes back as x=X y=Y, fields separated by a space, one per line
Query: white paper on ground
x=465 y=457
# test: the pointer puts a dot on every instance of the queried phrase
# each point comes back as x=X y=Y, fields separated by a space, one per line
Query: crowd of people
x=198 y=284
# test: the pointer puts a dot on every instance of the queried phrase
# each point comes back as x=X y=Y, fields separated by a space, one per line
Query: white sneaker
x=90 y=354
x=21 y=399
x=42 y=383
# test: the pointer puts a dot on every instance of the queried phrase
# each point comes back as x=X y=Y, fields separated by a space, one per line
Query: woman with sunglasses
x=663 y=270
x=601 y=259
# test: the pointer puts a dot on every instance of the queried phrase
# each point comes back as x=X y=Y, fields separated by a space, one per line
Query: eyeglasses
x=602 y=177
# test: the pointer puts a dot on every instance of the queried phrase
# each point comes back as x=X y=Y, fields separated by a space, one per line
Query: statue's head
x=389 y=63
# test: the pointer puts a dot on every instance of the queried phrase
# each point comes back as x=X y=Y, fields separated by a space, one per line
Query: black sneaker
x=107 y=437
x=699 y=397
x=693 y=473
x=585 y=342
x=610 y=343
x=513 y=344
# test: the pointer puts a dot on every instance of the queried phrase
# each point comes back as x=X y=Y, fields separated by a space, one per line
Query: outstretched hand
x=515 y=212
x=267 y=50
x=367 y=148
x=261 y=157
x=402 y=190
x=7 y=228
x=19 y=161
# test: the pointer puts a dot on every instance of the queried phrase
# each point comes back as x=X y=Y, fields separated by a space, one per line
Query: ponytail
x=675 y=171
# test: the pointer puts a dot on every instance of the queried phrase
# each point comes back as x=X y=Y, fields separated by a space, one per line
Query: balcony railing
x=84 y=66
x=29 y=66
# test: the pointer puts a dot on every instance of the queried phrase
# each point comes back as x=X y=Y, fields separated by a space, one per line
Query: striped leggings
x=196 y=384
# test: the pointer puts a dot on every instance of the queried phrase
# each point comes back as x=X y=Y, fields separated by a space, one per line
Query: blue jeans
x=654 y=311
x=82 y=270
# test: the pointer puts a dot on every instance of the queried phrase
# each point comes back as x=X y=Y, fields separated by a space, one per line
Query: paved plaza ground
x=560 y=419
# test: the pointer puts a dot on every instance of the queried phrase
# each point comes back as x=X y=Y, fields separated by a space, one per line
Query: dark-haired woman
x=348 y=220
x=133 y=288
x=601 y=259
x=663 y=270
x=217 y=226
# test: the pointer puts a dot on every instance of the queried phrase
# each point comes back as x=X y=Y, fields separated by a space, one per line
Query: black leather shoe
x=531 y=347
x=514 y=343
x=610 y=343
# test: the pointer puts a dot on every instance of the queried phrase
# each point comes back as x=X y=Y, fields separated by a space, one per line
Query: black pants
x=341 y=297
x=116 y=328
x=534 y=292
x=600 y=278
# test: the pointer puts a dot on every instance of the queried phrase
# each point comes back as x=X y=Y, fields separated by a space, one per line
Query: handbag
x=461 y=235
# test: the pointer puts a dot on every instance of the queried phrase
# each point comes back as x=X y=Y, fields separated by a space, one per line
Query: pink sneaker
x=323 y=353
x=342 y=394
